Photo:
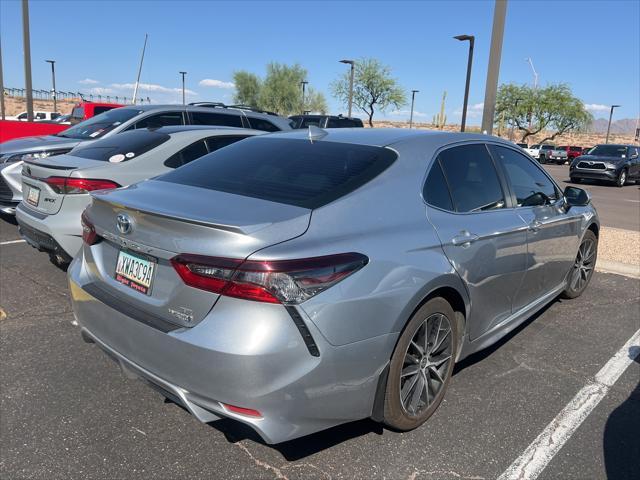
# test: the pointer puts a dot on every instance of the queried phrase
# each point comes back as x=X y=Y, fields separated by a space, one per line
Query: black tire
x=542 y=159
x=397 y=414
x=583 y=266
x=575 y=180
x=622 y=178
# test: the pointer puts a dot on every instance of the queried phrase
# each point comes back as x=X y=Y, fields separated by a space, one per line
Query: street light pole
x=413 y=97
x=471 y=39
x=352 y=63
x=53 y=79
x=304 y=84
x=1 y=87
x=609 y=126
x=183 y=74
x=491 y=88
x=26 y=42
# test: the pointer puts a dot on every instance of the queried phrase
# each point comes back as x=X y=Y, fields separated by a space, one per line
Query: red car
x=572 y=151
x=85 y=110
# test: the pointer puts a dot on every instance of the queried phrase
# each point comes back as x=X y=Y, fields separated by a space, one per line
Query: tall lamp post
x=413 y=97
x=471 y=40
x=609 y=126
x=352 y=63
x=53 y=80
x=183 y=74
x=304 y=85
x=495 y=52
x=26 y=42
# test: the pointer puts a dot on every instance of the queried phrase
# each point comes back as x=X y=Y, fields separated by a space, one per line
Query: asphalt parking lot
x=68 y=412
x=617 y=207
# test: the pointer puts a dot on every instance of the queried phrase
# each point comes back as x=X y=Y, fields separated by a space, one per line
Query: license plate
x=135 y=272
x=33 y=196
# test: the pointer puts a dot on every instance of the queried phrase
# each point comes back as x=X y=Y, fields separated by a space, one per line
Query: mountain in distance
x=624 y=125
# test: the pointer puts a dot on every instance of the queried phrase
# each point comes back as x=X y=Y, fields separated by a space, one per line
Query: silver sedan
x=304 y=280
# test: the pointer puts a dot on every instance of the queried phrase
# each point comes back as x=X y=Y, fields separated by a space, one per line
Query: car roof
x=381 y=137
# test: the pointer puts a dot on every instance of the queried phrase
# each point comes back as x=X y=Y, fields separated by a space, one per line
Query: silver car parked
x=303 y=280
x=57 y=189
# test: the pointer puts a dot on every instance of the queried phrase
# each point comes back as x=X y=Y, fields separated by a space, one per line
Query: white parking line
x=11 y=242
x=542 y=450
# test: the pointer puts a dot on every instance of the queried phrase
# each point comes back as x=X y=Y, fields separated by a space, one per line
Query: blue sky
x=592 y=45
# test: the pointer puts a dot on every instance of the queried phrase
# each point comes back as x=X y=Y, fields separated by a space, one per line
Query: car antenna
x=316 y=133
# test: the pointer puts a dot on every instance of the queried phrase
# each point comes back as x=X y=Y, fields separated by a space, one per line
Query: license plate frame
x=33 y=196
x=135 y=270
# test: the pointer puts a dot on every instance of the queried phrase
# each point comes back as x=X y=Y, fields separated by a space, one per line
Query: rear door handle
x=535 y=226
x=464 y=239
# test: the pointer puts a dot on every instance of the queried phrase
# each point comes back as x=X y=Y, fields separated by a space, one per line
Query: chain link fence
x=62 y=95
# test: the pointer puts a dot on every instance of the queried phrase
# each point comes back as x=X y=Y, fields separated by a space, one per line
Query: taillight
x=283 y=281
x=69 y=186
x=89 y=235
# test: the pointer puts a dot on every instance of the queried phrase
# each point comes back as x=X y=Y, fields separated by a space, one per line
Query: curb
x=626 y=269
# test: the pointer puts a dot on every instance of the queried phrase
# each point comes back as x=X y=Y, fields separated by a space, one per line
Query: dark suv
x=615 y=163
x=325 y=121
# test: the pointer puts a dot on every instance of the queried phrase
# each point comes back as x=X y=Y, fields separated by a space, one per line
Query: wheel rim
x=583 y=266
x=623 y=177
x=426 y=364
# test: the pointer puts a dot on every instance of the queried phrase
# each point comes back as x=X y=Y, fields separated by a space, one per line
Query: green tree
x=553 y=108
x=248 y=87
x=373 y=88
x=314 y=101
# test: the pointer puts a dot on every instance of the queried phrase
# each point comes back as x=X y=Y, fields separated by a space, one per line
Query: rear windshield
x=304 y=122
x=609 y=150
x=122 y=147
x=97 y=126
x=289 y=171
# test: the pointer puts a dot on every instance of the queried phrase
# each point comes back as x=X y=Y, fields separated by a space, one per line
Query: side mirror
x=576 y=197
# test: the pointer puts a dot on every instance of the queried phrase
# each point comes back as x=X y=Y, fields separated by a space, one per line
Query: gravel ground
x=619 y=245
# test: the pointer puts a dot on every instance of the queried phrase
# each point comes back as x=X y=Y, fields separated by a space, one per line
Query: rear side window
x=78 y=112
x=529 y=183
x=436 y=191
x=472 y=178
x=289 y=171
x=264 y=125
x=187 y=154
x=161 y=120
x=342 y=123
x=216 y=143
x=221 y=119
x=122 y=147
x=99 y=110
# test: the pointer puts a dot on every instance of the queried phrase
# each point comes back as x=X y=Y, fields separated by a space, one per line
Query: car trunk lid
x=166 y=220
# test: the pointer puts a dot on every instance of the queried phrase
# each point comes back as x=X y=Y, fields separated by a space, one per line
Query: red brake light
x=247 y=412
x=283 y=281
x=89 y=235
x=66 y=186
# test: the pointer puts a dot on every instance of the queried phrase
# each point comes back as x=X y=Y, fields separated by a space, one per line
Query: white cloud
x=150 y=87
x=473 y=111
x=88 y=81
x=210 y=82
x=101 y=91
x=407 y=113
x=596 y=107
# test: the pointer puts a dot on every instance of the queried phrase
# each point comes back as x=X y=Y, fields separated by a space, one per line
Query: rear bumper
x=244 y=354
x=60 y=233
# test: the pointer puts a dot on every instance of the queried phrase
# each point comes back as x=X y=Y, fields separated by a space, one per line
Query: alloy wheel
x=426 y=363
x=583 y=266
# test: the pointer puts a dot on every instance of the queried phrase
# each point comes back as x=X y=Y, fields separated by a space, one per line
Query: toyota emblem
x=124 y=223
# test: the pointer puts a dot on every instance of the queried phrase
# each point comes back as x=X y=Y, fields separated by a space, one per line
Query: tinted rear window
x=261 y=124
x=122 y=147
x=294 y=172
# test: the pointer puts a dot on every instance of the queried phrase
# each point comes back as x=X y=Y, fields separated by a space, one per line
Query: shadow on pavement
x=621 y=442
x=8 y=218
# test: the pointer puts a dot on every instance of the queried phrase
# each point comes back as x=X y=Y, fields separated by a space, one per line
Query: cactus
x=440 y=119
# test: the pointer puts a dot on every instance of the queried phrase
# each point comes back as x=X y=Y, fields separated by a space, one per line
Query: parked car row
x=297 y=280
x=550 y=153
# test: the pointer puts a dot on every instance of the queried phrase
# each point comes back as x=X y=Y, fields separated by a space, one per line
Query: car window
x=41 y=115
x=99 y=125
x=78 y=112
x=436 y=191
x=187 y=154
x=529 y=183
x=216 y=143
x=121 y=148
x=575 y=149
x=54 y=115
x=472 y=178
x=284 y=170
x=261 y=124
x=222 y=119
x=342 y=123
x=161 y=120
x=99 y=110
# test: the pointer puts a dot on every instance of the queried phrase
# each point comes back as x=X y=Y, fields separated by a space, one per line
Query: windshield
x=547 y=147
x=536 y=146
x=619 y=151
x=97 y=126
